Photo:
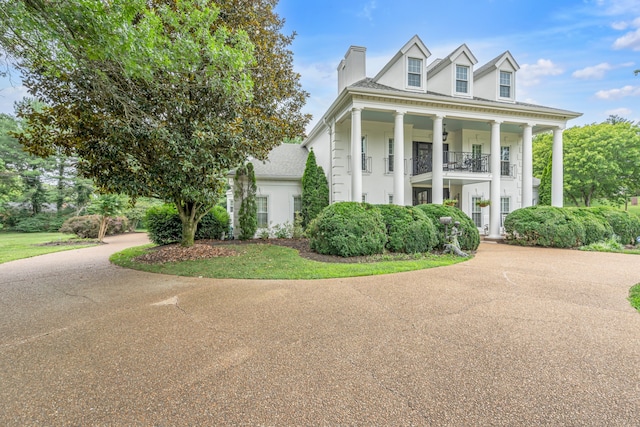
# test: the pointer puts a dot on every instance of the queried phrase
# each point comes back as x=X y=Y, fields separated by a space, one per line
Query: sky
x=577 y=55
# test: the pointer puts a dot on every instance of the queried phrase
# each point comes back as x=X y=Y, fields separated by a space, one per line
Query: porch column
x=331 y=128
x=557 y=177
x=527 y=165
x=398 y=159
x=437 y=183
x=494 y=211
x=356 y=155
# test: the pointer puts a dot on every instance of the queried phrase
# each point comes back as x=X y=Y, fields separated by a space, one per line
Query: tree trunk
x=103 y=228
x=188 y=232
x=190 y=215
x=60 y=188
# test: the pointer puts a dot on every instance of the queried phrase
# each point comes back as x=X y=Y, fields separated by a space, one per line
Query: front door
x=422 y=196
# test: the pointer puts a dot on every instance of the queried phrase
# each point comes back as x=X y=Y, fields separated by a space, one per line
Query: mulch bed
x=204 y=249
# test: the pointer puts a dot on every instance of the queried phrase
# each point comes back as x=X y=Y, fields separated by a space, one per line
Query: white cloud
x=530 y=74
x=595 y=72
x=631 y=40
x=620 y=7
x=620 y=26
x=619 y=93
x=367 y=10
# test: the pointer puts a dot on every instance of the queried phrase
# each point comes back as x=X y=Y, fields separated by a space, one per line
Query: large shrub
x=38 y=223
x=88 y=226
x=348 y=229
x=596 y=228
x=470 y=238
x=164 y=225
x=544 y=226
x=625 y=225
x=409 y=230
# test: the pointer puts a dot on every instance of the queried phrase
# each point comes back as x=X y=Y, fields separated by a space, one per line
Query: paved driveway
x=516 y=336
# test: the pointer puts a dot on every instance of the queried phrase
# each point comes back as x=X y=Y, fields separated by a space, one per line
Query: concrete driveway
x=515 y=336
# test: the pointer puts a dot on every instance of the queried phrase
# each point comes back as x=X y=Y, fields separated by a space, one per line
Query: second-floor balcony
x=458 y=161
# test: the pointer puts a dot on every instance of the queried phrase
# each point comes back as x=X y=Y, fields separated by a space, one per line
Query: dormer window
x=462 y=79
x=414 y=76
x=505 y=84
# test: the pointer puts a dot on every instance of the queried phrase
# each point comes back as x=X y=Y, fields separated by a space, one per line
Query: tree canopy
x=600 y=160
x=156 y=98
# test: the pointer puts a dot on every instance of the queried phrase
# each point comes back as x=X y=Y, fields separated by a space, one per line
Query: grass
x=634 y=296
x=276 y=262
x=15 y=246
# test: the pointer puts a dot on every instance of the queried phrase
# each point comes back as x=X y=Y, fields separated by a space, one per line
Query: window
x=414 y=78
x=390 y=158
x=390 y=199
x=462 y=79
x=476 y=211
x=505 y=169
x=364 y=197
x=263 y=213
x=505 y=203
x=297 y=206
x=505 y=84
x=365 y=159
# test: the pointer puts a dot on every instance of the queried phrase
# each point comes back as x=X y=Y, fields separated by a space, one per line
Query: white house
x=423 y=132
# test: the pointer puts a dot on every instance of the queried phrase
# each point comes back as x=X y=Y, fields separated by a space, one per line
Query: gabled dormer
x=407 y=70
x=453 y=75
x=496 y=80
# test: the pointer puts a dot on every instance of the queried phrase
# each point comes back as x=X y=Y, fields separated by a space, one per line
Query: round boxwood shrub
x=87 y=226
x=596 y=228
x=409 y=230
x=546 y=226
x=348 y=229
x=164 y=225
x=470 y=238
x=625 y=225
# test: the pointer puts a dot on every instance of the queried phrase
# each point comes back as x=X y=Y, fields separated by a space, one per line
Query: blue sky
x=573 y=54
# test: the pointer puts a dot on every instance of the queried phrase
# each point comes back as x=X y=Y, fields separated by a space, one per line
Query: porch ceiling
x=426 y=123
x=450 y=178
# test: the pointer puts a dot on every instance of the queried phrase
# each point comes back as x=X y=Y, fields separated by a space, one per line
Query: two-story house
x=423 y=132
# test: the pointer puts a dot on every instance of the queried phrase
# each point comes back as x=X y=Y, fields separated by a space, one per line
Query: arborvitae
x=315 y=190
x=245 y=192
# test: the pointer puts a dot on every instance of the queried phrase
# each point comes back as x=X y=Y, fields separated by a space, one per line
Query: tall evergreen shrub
x=245 y=192
x=315 y=190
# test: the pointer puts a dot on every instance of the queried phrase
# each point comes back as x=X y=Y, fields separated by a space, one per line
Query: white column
x=494 y=210
x=332 y=142
x=527 y=165
x=398 y=160
x=356 y=155
x=557 y=173
x=437 y=183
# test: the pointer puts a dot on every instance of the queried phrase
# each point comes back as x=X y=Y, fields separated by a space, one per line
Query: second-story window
x=505 y=84
x=414 y=77
x=462 y=79
x=390 y=159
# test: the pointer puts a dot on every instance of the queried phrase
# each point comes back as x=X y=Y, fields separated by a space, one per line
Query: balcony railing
x=366 y=163
x=454 y=161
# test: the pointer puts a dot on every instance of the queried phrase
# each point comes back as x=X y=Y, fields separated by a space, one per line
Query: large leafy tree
x=600 y=161
x=157 y=98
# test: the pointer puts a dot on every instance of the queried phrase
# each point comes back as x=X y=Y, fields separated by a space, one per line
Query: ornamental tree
x=156 y=98
x=315 y=190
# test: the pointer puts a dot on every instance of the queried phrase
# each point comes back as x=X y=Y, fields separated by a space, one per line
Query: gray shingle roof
x=284 y=161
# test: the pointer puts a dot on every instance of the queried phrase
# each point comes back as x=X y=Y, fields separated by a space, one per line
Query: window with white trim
x=297 y=206
x=262 y=211
x=363 y=147
x=462 y=79
x=505 y=165
x=390 y=158
x=414 y=72
x=476 y=211
x=390 y=199
x=505 y=207
x=505 y=84
x=364 y=197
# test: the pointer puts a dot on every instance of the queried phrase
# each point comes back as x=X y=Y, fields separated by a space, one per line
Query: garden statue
x=454 y=245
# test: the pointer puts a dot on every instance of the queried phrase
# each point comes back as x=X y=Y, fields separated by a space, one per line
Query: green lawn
x=276 y=262
x=25 y=245
x=634 y=296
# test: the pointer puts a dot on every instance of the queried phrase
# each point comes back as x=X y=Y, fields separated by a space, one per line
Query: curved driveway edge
x=515 y=336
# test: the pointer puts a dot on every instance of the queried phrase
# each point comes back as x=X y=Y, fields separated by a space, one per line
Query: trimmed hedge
x=625 y=225
x=38 y=223
x=470 y=238
x=409 y=230
x=164 y=225
x=348 y=229
x=546 y=226
x=87 y=226
x=596 y=229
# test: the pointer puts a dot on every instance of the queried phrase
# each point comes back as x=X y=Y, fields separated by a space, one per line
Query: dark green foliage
x=545 y=226
x=625 y=225
x=245 y=192
x=38 y=223
x=164 y=225
x=470 y=238
x=213 y=225
x=315 y=190
x=596 y=228
x=88 y=226
x=348 y=229
x=409 y=230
